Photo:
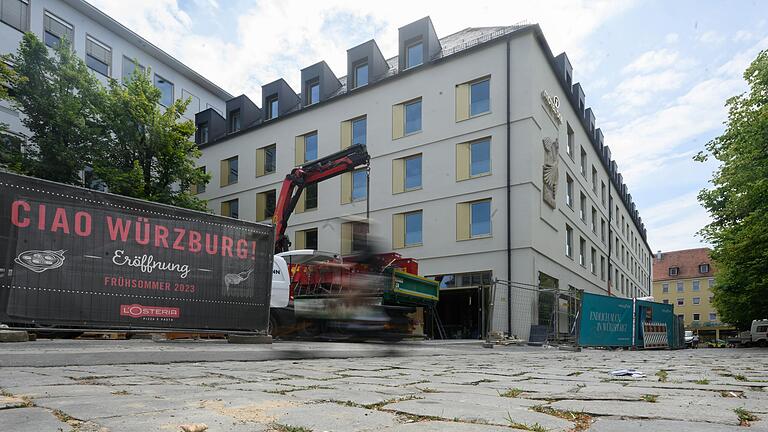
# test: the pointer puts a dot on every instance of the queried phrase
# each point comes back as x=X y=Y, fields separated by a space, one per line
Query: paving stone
x=334 y=417
x=620 y=425
x=478 y=413
x=438 y=426
x=337 y=395
x=31 y=419
x=170 y=420
x=646 y=410
x=54 y=391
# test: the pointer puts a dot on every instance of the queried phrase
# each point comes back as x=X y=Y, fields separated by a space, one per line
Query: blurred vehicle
x=691 y=340
x=716 y=343
x=757 y=335
x=366 y=294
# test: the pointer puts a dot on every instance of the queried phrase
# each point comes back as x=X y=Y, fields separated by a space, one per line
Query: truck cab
x=759 y=332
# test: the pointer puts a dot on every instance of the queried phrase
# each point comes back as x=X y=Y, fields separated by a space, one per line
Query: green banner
x=605 y=321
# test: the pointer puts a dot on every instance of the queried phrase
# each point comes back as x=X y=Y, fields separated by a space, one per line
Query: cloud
x=671 y=38
x=739 y=62
x=650 y=61
x=711 y=37
x=673 y=224
x=278 y=38
x=743 y=36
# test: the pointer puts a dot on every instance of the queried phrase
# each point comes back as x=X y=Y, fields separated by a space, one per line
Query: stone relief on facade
x=551 y=174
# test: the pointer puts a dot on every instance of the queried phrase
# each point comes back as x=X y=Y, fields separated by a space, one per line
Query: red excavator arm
x=346 y=160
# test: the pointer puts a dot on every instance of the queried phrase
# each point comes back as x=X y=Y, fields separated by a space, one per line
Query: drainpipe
x=509 y=200
x=610 y=242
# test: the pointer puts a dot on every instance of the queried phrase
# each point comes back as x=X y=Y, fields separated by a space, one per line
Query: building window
x=412 y=167
x=594 y=220
x=665 y=301
x=202 y=131
x=679 y=287
x=592 y=261
x=696 y=285
x=711 y=282
x=359 y=130
x=473 y=219
x=273 y=107
x=480 y=157
x=665 y=288
x=98 y=56
x=704 y=268
x=166 y=90
x=674 y=271
x=265 y=205
x=696 y=300
x=413 y=228
x=361 y=75
x=480 y=97
x=234 y=120
x=129 y=66
x=583 y=207
x=594 y=179
x=602 y=230
x=353 y=237
x=680 y=302
x=359 y=185
x=713 y=316
x=55 y=29
x=313 y=92
x=583 y=166
x=602 y=192
x=414 y=55
x=306 y=148
x=413 y=117
x=602 y=267
x=199 y=188
x=266 y=159
x=230 y=209
x=696 y=317
x=15 y=13
x=481 y=218
x=570 y=142
x=306 y=239
x=310 y=197
x=582 y=252
x=229 y=171
x=569 y=191
x=569 y=241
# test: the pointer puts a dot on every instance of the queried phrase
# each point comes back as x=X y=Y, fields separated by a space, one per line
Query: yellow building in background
x=685 y=279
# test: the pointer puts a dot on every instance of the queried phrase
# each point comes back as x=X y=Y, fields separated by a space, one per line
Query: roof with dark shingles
x=687 y=261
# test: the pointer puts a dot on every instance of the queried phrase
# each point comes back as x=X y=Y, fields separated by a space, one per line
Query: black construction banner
x=76 y=257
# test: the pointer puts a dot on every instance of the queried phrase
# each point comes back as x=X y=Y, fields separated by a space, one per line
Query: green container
x=409 y=289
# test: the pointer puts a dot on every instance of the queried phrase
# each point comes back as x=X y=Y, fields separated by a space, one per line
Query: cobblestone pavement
x=461 y=389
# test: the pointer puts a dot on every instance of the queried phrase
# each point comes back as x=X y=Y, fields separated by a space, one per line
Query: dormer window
x=313 y=92
x=272 y=107
x=202 y=130
x=361 y=74
x=674 y=271
x=234 y=120
x=414 y=54
x=703 y=268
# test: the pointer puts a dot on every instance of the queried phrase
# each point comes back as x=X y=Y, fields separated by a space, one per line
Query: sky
x=656 y=73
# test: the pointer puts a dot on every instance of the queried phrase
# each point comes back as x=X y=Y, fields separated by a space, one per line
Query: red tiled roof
x=687 y=261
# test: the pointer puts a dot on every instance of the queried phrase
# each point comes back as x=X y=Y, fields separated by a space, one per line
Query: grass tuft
x=745 y=417
x=581 y=420
x=652 y=398
x=663 y=375
x=511 y=393
x=277 y=427
x=702 y=381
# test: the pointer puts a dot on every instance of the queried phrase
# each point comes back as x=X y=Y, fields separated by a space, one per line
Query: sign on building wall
x=605 y=321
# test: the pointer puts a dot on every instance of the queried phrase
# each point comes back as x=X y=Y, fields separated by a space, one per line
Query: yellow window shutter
x=462 y=102
x=346 y=134
x=398 y=175
x=224 y=172
x=346 y=238
x=300 y=240
x=259 y=162
x=300 y=150
x=398 y=121
x=225 y=208
x=398 y=231
x=261 y=206
x=462 y=161
x=301 y=204
x=346 y=188
x=462 y=221
x=193 y=189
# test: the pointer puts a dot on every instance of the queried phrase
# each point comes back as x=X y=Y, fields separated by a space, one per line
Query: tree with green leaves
x=62 y=105
x=738 y=203
x=150 y=155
